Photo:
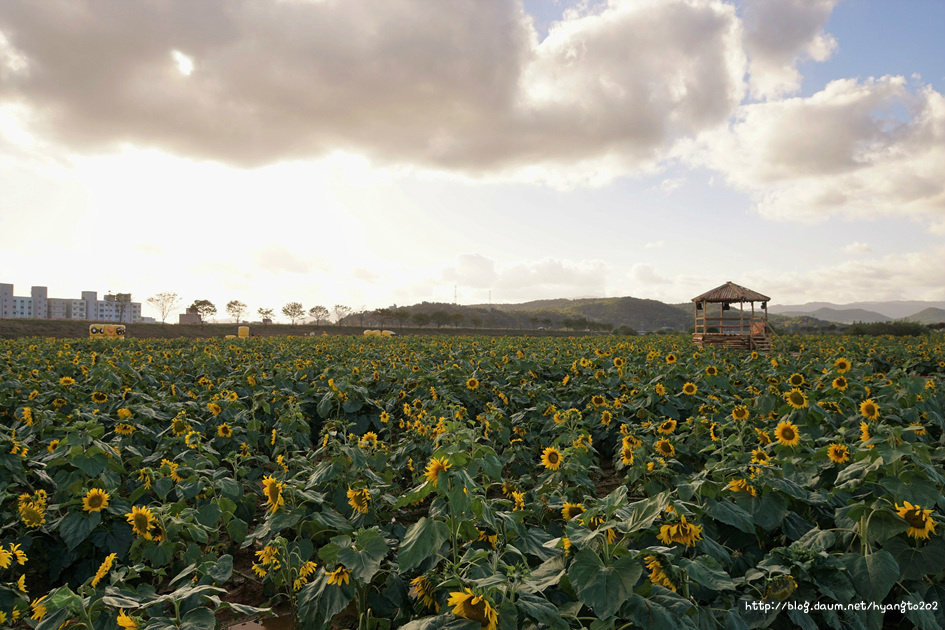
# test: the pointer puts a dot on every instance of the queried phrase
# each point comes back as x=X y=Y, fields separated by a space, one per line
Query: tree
x=341 y=311
x=476 y=321
x=401 y=315
x=266 y=313
x=320 y=313
x=204 y=308
x=236 y=309
x=440 y=317
x=420 y=319
x=294 y=311
x=457 y=319
x=383 y=315
x=164 y=303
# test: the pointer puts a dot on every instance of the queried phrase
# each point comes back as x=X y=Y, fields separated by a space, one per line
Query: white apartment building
x=114 y=308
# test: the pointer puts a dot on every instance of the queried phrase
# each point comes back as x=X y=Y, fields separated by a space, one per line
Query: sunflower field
x=472 y=483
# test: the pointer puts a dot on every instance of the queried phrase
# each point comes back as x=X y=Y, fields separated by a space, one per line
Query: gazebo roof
x=731 y=292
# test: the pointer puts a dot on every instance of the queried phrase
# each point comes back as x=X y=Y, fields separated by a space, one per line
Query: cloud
x=529 y=279
x=276 y=259
x=857 y=248
x=913 y=275
x=654 y=244
x=779 y=34
x=858 y=148
x=645 y=273
x=461 y=86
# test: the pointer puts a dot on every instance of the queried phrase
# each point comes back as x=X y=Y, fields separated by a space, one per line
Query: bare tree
x=294 y=311
x=319 y=313
x=341 y=311
x=164 y=303
x=236 y=309
x=266 y=313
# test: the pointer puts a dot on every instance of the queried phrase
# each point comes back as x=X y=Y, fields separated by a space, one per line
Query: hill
x=928 y=316
x=637 y=313
x=893 y=310
x=841 y=316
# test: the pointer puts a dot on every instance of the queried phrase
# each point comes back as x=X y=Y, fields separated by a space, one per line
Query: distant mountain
x=639 y=314
x=928 y=316
x=893 y=310
x=842 y=316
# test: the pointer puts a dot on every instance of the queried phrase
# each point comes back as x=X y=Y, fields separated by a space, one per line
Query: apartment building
x=114 y=308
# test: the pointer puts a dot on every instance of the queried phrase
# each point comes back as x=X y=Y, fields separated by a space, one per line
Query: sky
x=371 y=153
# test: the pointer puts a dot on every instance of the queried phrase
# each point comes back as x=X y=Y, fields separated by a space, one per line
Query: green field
x=426 y=482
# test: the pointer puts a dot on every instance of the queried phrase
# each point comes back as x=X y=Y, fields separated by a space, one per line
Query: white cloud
x=645 y=273
x=654 y=244
x=779 y=34
x=862 y=149
x=669 y=185
x=857 y=248
x=914 y=275
x=529 y=279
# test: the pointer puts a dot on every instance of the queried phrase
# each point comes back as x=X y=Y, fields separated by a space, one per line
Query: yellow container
x=244 y=332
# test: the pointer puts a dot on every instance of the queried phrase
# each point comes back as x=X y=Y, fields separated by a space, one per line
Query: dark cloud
x=461 y=85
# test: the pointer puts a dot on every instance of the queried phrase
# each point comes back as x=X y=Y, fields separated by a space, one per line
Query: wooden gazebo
x=718 y=324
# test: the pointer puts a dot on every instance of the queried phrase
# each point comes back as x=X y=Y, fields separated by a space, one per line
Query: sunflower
x=712 y=370
x=713 y=432
x=840 y=383
x=920 y=521
x=740 y=412
x=359 y=499
x=796 y=379
x=435 y=467
x=422 y=589
x=619 y=362
x=126 y=622
x=99 y=397
x=214 y=408
x=103 y=570
x=95 y=500
x=658 y=573
x=626 y=456
x=665 y=448
x=667 y=426
x=660 y=390
x=838 y=453
x=339 y=576
x=787 y=433
x=741 y=485
x=758 y=456
x=224 y=430
x=519 y=498
x=368 y=440
x=869 y=410
x=124 y=429
x=670 y=358
x=842 y=365
x=141 y=520
x=551 y=458
x=796 y=398
x=32 y=513
x=681 y=532
x=468 y=605
x=472 y=384
x=273 y=491
x=606 y=417
x=179 y=424
x=689 y=389
x=67 y=381
x=570 y=510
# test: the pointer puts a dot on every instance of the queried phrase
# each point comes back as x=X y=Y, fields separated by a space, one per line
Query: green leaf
x=916 y=562
x=873 y=575
x=200 y=618
x=706 y=572
x=641 y=514
x=883 y=524
x=237 y=529
x=768 y=510
x=77 y=526
x=423 y=539
x=222 y=570
x=208 y=514
x=364 y=558
x=319 y=601
x=541 y=610
x=547 y=574
x=730 y=514
x=603 y=588
x=91 y=466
